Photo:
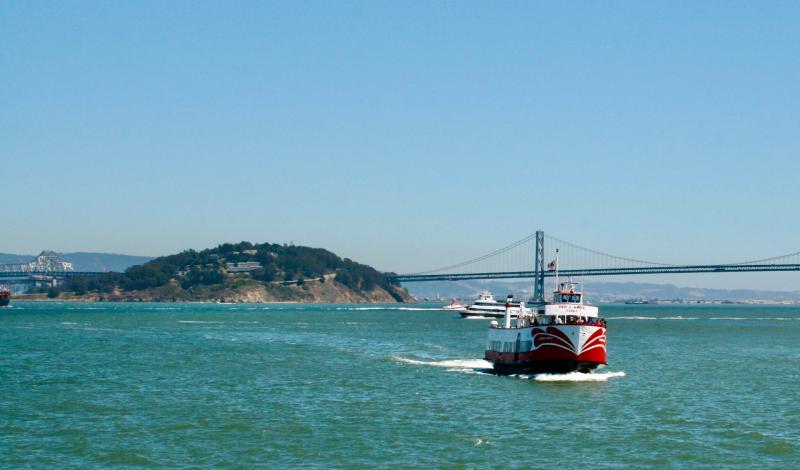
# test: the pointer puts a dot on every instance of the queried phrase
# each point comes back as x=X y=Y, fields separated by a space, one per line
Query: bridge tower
x=538 y=268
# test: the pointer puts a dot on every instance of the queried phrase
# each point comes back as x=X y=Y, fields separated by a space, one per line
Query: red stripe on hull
x=597 y=355
x=553 y=351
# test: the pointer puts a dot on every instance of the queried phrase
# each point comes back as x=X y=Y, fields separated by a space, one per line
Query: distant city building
x=250 y=252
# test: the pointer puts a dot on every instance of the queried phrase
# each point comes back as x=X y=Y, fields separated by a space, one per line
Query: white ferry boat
x=454 y=305
x=564 y=335
x=486 y=306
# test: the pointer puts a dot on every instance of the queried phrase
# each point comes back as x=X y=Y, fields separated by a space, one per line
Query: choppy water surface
x=101 y=385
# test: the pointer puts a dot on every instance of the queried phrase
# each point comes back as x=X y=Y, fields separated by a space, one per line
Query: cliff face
x=312 y=292
x=329 y=292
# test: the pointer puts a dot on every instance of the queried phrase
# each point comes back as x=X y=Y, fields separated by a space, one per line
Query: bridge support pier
x=538 y=268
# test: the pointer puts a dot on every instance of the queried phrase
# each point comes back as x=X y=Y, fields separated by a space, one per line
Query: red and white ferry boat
x=564 y=335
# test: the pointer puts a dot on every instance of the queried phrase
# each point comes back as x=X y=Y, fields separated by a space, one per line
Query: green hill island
x=240 y=272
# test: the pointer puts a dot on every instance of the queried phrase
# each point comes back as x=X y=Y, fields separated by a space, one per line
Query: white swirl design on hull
x=545 y=338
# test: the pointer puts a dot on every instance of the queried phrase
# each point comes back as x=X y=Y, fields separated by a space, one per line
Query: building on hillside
x=243 y=267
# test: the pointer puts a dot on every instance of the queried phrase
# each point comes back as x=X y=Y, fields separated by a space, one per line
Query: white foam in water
x=631 y=318
x=417 y=309
x=410 y=309
x=698 y=318
x=478 y=318
x=578 y=377
x=479 y=366
x=199 y=321
x=653 y=318
x=756 y=318
x=460 y=364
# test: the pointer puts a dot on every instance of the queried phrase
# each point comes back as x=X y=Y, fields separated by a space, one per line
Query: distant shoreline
x=204 y=302
x=42 y=298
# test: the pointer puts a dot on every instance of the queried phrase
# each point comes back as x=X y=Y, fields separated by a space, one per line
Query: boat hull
x=539 y=367
x=551 y=348
x=470 y=312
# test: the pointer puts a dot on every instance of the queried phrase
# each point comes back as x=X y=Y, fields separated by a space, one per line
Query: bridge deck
x=56 y=274
x=707 y=268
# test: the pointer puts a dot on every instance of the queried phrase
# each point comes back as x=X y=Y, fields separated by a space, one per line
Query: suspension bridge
x=537 y=249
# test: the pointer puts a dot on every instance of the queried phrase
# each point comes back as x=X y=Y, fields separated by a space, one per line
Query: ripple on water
x=203 y=386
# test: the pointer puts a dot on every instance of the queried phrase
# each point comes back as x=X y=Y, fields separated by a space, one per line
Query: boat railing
x=569 y=320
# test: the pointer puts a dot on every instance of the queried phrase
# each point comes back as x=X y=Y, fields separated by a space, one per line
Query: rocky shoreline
x=328 y=292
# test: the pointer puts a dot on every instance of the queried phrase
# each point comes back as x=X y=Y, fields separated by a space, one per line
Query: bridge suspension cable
x=557 y=241
x=493 y=254
x=518 y=256
x=796 y=254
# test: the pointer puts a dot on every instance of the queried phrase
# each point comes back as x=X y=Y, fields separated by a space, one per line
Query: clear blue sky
x=405 y=135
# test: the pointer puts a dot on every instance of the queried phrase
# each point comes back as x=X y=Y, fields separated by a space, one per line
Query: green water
x=166 y=385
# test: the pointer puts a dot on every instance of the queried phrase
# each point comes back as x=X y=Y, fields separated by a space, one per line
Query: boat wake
x=453 y=365
x=652 y=318
x=479 y=366
x=408 y=309
x=418 y=309
x=577 y=377
x=708 y=318
x=756 y=318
